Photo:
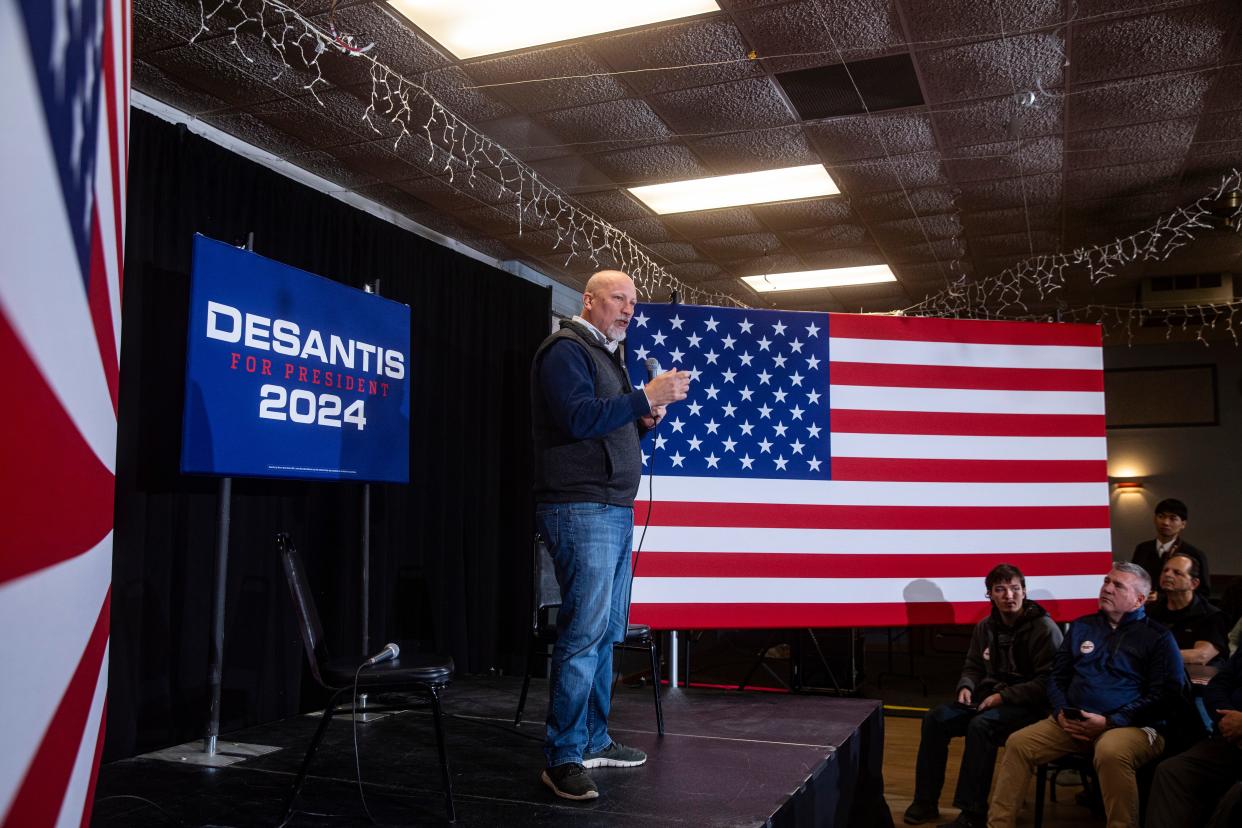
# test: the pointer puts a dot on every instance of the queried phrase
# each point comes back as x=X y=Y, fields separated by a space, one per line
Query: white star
x=765 y=412
x=729 y=409
x=676 y=322
x=676 y=458
x=695 y=408
x=642 y=354
x=781 y=462
x=712 y=425
x=712 y=391
x=779 y=327
x=729 y=375
x=778 y=361
x=764 y=377
x=765 y=446
x=813 y=397
x=677 y=424
x=694 y=340
x=780 y=428
x=797 y=447
x=660 y=441
x=813 y=362
x=764 y=343
x=746 y=428
x=796 y=413
x=746 y=461
x=813 y=431
x=812 y=330
x=728 y=342
x=712 y=460
x=780 y=395
x=658 y=338
x=746 y=358
x=675 y=355
x=711 y=324
x=814 y=464
x=694 y=374
x=712 y=356
x=746 y=325
x=729 y=443
x=746 y=393
x=641 y=320
x=695 y=442
x=645 y=457
x=795 y=378
x=795 y=347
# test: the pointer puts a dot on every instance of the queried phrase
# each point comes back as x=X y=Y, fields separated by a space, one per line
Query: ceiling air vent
x=1190 y=289
x=827 y=91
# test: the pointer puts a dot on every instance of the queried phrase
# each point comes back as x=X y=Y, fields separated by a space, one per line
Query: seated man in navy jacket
x=1188 y=787
x=1116 y=681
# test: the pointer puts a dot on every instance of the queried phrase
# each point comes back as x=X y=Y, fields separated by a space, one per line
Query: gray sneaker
x=570 y=781
x=615 y=755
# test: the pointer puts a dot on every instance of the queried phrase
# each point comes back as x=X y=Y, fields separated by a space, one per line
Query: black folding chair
x=422 y=674
x=547 y=598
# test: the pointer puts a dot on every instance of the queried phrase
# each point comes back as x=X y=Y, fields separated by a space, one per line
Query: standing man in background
x=587 y=420
x=1171 y=518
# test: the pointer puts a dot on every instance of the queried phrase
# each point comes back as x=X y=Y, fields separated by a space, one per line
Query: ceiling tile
x=613 y=205
x=1159 y=42
x=525 y=138
x=1010 y=192
x=1155 y=98
x=447 y=86
x=746 y=246
x=555 y=77
x=1012 y=158
x=990 y=67
x=810 y=239
x=172 y=90
x=650 y=164
x=1012 y=220
x=646 y=230
x=160 y=24
x=778 y=262
x=1122 y=181
x=911 y=230
x=987 y=20
x=807 y=33
x=790 y=215
x=1135 y=142
x=872 y=136
x=673 y=252
x=844 y=257
x=1226 y=91
x=991 y=121
x=611 y=121
x=399 y=47
x=569 y=173
x=711 y=48
x=757 y=149
x=904 y=172
x=1013 y=244
x=730 y=221
x=753 y=103
x=903 y=204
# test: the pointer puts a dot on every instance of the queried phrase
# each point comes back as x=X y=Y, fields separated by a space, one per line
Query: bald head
x=608 y=302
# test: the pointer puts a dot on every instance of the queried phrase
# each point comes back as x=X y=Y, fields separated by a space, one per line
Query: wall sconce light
x=1123 y=486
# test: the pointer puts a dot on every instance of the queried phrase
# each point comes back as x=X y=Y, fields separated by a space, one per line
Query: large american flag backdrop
x=850 y=470
x=65 y=65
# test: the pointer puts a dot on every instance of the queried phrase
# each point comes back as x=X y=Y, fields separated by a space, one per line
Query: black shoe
x=967 y=819
x=616 y=755
x=920 y=812
x=570 y=781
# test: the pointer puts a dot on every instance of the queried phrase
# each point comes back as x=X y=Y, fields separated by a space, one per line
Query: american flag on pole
x=846 y=470
x=65 y=65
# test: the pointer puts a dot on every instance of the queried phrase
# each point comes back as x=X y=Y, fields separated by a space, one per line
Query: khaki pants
x=1117 y=755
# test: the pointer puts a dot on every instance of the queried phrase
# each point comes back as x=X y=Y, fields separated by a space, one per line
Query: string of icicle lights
x=467 y=153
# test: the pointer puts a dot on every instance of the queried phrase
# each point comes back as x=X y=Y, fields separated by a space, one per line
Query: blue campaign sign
x=289 y=374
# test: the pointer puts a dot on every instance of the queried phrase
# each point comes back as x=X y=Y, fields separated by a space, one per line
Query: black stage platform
x=727 y=758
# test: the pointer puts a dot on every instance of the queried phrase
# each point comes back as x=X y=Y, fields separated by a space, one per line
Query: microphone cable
x=358 y=761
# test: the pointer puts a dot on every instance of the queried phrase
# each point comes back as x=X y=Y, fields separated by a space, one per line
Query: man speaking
x=587 y=420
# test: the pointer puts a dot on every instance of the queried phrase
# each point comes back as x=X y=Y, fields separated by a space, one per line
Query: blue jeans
x=985 y=732
x=591 y=545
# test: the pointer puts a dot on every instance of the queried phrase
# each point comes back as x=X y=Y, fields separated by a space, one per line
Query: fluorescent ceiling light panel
x=470 y=28
x=835 y=277
x=811 y=181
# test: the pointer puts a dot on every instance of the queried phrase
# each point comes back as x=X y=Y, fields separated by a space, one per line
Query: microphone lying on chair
x=390 y=651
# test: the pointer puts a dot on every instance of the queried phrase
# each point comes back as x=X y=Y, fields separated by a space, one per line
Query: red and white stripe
x=59 y=345
x=956 y=445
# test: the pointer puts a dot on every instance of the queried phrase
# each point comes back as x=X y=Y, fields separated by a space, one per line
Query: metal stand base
x=227 y=753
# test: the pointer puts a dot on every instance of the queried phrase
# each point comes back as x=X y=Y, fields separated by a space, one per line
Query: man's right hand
x=669 y=387
x=963 y=696
x=1231 y=725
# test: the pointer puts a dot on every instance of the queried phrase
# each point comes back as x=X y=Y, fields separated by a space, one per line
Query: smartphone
x=967 y=705
x=1073 y=714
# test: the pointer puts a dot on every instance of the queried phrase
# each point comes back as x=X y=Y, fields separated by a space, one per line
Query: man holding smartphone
x=1117 y=682
x=1002 y=688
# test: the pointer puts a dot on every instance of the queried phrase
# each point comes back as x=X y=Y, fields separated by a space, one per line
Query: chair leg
x=437 y=715
x=1041 y=779
x=655 y=686
x=320 y=731
x=530 y=652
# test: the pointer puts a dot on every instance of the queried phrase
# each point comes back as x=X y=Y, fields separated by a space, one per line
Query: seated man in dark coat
x=1171 y=518
x=1188 y=787
x=1197 y=626
x=1001 y=690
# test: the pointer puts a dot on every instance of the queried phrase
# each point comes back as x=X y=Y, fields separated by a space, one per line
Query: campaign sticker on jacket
x=1087 y=647
x=987 y=653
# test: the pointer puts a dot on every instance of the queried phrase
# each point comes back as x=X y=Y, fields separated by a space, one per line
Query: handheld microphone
x=390 y=651
x=653 y=368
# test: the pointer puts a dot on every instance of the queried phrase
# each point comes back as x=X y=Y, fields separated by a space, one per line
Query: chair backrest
x=303 y=604
x=547 y=591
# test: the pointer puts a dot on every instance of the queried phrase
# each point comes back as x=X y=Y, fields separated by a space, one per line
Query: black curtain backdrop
x=449 y=552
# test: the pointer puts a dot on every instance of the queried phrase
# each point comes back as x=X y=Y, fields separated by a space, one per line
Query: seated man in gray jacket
x=1002 y=689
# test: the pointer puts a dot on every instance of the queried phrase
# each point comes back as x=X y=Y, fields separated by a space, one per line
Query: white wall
x=1200 y=465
